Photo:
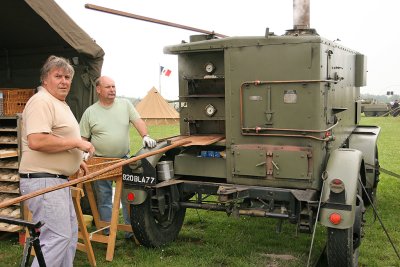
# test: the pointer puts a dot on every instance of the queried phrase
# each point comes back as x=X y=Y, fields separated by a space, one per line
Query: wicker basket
x=14 y=100
x=98 y=163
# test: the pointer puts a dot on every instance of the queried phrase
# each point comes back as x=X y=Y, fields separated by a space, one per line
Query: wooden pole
x=157 y=21
x=91 y=176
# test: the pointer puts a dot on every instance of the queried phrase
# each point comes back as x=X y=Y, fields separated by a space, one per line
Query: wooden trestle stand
x=113 y=225
x=86 y=246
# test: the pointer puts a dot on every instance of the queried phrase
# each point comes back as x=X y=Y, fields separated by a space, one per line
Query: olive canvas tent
x=155 y=110
x=31 y=31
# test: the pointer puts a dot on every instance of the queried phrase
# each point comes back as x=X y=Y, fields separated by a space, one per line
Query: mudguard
x=142 y=167
x=364 y=138
x=153 y=160
x=139 y=193
x=343 y=164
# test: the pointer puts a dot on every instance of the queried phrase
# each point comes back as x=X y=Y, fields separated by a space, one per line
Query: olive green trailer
x=273 y=122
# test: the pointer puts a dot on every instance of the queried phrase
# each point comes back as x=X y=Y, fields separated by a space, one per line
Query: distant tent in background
x=154 y=110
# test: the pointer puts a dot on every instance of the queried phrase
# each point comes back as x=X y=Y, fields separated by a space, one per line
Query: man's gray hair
x=56 y=62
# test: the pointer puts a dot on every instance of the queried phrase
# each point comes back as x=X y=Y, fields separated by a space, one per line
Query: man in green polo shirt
x=106 y=125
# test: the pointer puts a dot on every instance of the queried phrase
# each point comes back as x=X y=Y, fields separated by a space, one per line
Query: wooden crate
x=14 y=100
x=98 y=163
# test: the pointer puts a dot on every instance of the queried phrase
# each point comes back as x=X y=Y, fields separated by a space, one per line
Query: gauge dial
x=210 y=110
x=210 y=68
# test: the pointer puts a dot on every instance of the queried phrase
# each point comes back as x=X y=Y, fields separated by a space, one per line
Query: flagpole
x=159 y=77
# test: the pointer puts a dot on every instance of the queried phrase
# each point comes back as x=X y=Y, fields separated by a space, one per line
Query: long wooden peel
x=152 y=20
x=90 y=176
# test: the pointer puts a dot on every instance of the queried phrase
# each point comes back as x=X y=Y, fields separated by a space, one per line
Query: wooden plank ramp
x=198 y=140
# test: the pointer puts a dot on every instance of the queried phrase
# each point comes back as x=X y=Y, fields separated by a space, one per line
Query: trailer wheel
x=339 y=248
x=343 y=244
x=373 y=190
x=153 y=229
x=369 y=114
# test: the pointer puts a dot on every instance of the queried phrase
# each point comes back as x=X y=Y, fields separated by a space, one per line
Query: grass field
x=376 y=249
x=213 y=239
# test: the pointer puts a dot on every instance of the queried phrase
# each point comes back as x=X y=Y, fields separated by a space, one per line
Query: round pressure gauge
x=210 y=110
x=210 y=68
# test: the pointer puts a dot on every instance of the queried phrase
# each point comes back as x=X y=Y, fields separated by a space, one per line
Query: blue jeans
x=103 y=190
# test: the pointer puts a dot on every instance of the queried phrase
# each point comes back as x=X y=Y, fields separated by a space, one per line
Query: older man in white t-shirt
x=52 y=150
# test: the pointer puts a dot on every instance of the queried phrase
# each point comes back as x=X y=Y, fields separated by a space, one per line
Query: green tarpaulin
x=32 y=30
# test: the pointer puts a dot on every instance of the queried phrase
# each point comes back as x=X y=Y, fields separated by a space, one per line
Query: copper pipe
x=157 y=21
x=90 y=177
x=292 y=130
x=291 y=135
x=257 y=82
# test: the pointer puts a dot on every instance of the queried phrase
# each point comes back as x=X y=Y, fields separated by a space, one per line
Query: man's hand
x=84 y=167
x=149 y=142
x=87 y=147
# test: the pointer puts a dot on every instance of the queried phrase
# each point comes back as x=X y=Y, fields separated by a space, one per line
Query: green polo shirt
x=107 y=128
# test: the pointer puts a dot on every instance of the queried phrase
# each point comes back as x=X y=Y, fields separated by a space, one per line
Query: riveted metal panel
x=290 y=164
x=250 y=162
x=255 y=106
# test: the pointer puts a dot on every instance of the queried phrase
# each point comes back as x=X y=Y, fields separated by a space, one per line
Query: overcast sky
x=134 y=49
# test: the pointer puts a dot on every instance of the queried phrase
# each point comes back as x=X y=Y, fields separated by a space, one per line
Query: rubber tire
x=373 y=191
x=369 y=114
x=372 y=195
x=149 y=231
x=339 y=249
x=358 y=223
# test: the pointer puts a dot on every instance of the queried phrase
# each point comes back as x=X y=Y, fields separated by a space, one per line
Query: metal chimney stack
x=301 y=19
x=301 y=14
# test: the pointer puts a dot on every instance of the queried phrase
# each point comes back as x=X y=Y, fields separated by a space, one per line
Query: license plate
x=138 y=179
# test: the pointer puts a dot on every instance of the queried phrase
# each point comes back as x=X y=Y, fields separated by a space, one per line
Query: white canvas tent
x=155 y=110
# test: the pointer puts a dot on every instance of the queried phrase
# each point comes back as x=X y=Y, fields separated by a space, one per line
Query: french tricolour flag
x=165 y=71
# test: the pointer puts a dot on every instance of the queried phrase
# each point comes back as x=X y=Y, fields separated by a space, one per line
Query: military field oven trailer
x=31 y=31
x=287 y=109
x=374 y=108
